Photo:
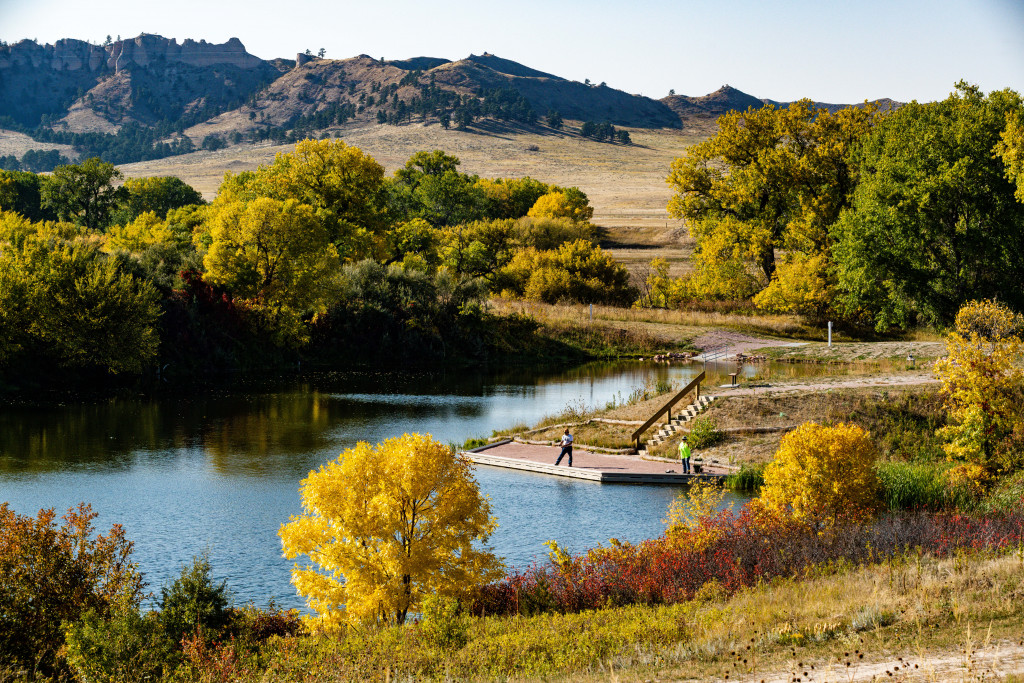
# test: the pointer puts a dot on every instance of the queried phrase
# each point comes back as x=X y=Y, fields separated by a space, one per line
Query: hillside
x=149 y=97
x=76 y=86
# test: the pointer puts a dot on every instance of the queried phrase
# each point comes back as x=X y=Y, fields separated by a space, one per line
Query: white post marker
x=591 y=312
x=830 y=334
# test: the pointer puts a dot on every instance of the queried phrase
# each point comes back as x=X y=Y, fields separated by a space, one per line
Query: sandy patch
x=989 y=663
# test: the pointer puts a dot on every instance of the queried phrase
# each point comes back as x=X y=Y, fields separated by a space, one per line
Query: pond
x=219 y=472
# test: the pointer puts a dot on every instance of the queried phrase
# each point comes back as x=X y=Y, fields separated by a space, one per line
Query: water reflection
x=220 y=471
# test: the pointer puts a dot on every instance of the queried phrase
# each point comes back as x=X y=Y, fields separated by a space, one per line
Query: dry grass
x=682 y=326
x=900 y=620
x=16 y=144
x=626 y=184
x=922 y=346
x=909 y=619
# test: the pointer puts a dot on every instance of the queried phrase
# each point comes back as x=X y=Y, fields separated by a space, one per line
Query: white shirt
x=566 y=440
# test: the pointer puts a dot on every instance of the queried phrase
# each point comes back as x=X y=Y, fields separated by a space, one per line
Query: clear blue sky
x=829 y=51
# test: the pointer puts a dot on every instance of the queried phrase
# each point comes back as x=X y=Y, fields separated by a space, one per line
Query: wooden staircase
x=681 y=418
x=674 y=423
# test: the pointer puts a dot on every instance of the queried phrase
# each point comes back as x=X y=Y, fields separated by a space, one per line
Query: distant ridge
x=179 y=95
x=728 y=98
x=506 y=66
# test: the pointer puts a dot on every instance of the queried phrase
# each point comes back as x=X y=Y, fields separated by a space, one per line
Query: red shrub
x=735 y=549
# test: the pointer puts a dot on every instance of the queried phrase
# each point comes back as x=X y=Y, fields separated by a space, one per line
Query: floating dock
x=607 y=469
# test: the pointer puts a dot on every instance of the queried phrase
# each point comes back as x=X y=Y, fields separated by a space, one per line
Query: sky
x=839 y=52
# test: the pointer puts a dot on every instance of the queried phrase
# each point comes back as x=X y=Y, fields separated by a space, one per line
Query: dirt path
x=826 y=383
x=731 y=343
x=980 y=663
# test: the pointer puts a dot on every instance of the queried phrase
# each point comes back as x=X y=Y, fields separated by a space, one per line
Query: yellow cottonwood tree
x=1011 y=150
x=983 y=383
x=760 y=197
x=822 y=473
x=386 y=526
x=569 y=203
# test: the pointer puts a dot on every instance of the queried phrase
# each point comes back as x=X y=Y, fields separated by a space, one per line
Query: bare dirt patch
x=990 y=662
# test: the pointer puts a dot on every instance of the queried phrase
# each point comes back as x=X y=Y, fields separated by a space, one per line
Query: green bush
x=126 y=647
x=704 y=433
x=1007 y=496
x=445 y=625
x=194 y=603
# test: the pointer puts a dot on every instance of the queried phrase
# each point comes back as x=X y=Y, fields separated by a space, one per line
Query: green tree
x=344 y=187
x=431 y=187
x=387 y=526
x=72 y=305
x=194 y=604
x=770 y=183
x=1011 y=150
x=934 y=222
x=511 y=197
x=276 y=254
x=83 y=193
x=22 y=192
x=159 y=195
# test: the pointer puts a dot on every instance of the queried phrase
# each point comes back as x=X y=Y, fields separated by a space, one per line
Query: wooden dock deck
x=608 y=469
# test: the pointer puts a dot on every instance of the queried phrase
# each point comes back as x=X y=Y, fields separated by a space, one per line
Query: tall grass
x=909 y=486
x=749 y=479
x=835 y=620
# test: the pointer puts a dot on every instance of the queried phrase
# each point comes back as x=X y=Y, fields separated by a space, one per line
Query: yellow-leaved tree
x=384 y=527
x=276 y=255
x=568 y=203
x=821 y=474
x=983 y=383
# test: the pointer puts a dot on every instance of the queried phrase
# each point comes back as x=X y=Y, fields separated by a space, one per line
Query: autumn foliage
x=721 y=552
x=52 y=573
x=821 y=474
x=384 y=527
x=983 y=385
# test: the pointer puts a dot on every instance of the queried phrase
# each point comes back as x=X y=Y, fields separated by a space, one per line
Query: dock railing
x=667 y=408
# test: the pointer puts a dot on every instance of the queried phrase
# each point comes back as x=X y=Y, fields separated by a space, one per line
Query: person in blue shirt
x=566 y=444
x=684 y=455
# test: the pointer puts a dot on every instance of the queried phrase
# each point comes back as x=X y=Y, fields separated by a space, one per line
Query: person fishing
x=566 y=444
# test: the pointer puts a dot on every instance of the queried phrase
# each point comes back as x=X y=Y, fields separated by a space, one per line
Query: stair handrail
x=715 y=352
x=667 y=408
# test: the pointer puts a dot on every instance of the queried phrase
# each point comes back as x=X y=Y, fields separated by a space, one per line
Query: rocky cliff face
x=147 y=49
x=77 y=55
x=38 y=81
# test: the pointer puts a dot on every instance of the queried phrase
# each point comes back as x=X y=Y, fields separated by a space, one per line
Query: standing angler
x=566 y=444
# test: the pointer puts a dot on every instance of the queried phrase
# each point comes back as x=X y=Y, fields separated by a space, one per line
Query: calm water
x=220 y=472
